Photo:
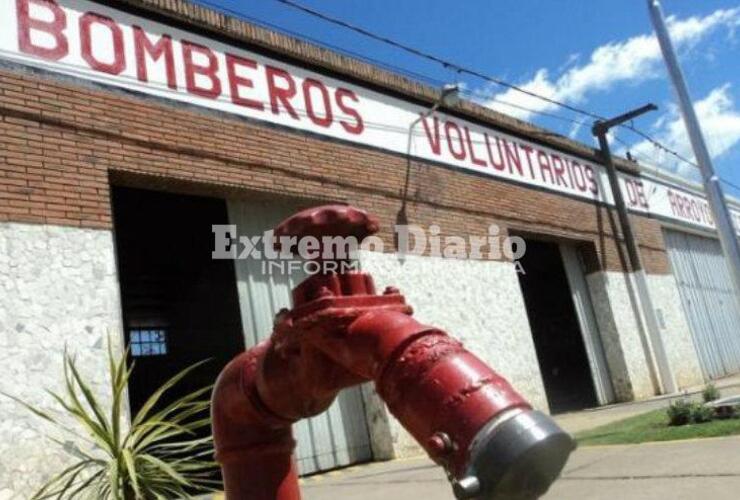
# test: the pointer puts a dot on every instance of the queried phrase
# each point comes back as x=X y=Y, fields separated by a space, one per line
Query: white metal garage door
x=338 y=436
x=709 y=301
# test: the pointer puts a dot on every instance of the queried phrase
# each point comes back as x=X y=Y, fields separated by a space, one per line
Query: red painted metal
x=339 y=333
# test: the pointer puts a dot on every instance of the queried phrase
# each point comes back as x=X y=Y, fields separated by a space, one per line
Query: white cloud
x=633 y=60
x=720 y=122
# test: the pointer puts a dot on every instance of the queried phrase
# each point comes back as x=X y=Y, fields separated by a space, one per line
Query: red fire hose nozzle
x=340 y=333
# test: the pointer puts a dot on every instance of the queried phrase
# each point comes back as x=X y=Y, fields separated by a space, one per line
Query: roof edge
x=238 y=30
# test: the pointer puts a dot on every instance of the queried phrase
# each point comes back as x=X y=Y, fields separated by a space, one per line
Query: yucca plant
x=159 y=455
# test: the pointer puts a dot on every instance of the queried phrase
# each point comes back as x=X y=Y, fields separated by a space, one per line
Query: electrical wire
x=461 y=69
x=133 y=83
x=477 y=96
x=446 y=64
x=730 y=184
x=431 y=57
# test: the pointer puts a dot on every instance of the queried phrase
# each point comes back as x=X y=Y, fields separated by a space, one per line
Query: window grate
x=148 y=342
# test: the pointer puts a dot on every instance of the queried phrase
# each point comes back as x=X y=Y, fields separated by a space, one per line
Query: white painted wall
x=478 y=302
x=620 y=333
x=58 y=288
x=676 y=334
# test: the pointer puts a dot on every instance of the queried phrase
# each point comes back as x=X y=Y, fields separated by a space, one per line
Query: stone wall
x=675 y=330
x=621 y=335
x=58 y=288
x=478 y=302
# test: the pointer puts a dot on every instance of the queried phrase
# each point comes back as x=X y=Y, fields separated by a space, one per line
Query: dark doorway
x=179 y=305
x=557 y=335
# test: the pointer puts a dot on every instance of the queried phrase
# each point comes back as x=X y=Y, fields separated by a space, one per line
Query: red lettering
x=636 y=193
x=328 y=118
x=631 y=196
x=236 y=81
x=359 y=125
x=528 y=151
x=433 y=140
x=55 y=28
x=593 y=185
x=672 y=201
x=460 y=153
x=280 y=95
x=559 y=168
x=512 y=157
x=578 y=175
x=118 y=64
x=476 y=161
x=696 y=210
x=192 y=69
x=641 y=198
x=684 y=208
x=545 y=167
x=163 y=48
x=498 y=165
x=689 y=208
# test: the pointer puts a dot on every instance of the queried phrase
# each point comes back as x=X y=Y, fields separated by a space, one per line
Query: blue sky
x=595 y=54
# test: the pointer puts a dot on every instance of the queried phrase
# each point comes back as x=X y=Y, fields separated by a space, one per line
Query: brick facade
x=63 y=143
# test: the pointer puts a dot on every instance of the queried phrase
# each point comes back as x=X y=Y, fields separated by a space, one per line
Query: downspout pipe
x=340 y=333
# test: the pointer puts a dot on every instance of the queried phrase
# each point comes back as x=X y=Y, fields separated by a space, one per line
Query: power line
x=475 y=95
x=162 y=88
x=447 y=64
x=730 y=184
x=660 y=145
x=647 y=159
x=461 y=69
x=431 y=57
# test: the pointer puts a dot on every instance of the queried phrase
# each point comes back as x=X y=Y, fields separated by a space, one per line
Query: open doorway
x=179 y=305
x=558 y=340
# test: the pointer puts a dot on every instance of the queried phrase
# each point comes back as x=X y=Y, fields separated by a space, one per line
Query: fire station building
x=129 y=128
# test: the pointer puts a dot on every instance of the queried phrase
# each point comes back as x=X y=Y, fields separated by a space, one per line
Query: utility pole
x=727 y=236
x=652 y=341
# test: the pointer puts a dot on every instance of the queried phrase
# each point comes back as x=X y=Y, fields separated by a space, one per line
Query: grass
x=653 y=426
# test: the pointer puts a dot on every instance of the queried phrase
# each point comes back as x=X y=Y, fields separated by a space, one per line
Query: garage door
x=339 y=436
x=708 y=298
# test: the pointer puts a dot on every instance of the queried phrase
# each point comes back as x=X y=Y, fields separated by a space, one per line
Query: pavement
x=689 y=469
x=596 y=417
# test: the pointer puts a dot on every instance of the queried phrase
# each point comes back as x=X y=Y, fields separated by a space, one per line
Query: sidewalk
x=708 y=468
x=588 y=419
x=691 y=469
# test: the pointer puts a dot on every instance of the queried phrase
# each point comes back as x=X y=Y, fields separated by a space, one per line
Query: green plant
x=710 y=393
x=679 y=412
x=701 y=414
x=158 y=456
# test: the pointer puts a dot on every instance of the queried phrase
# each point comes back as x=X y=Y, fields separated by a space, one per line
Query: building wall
x=478 y=302
x=622 y=337
x=620 y=330
x=676 y=333
x=58 y=289
x=63 y=142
